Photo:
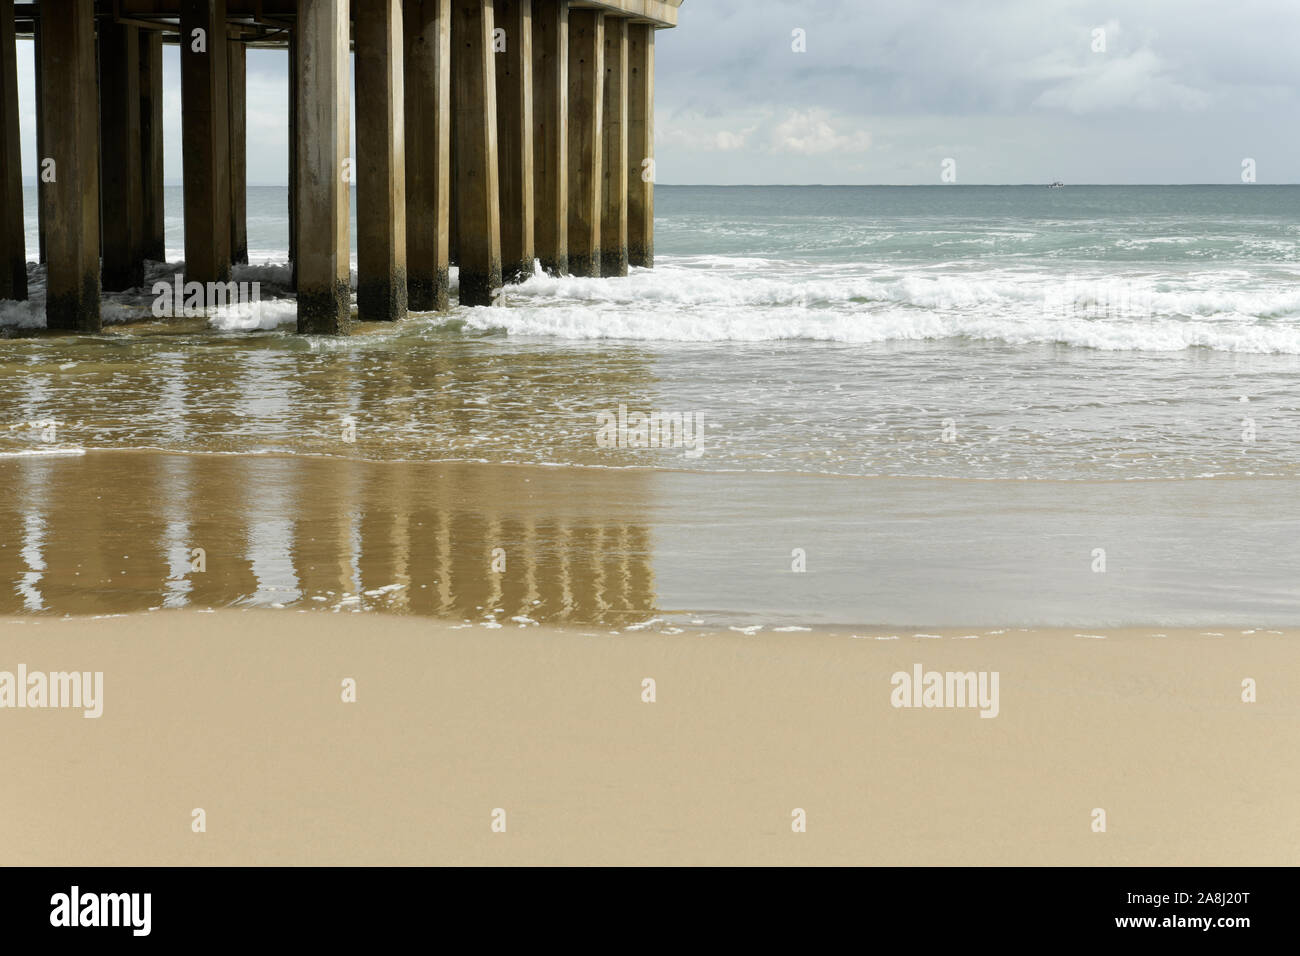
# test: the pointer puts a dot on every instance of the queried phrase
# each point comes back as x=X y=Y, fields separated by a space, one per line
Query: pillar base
x=73 y=312
x=429 y=295
x=613 y=263
x=325 y=311
x=585 y=266
x=517 y=272
x=383 y=300
x=479 y=288
x=641 y=257
x=555 y=267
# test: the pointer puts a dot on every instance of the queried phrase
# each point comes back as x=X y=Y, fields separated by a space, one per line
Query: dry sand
x=240 y=713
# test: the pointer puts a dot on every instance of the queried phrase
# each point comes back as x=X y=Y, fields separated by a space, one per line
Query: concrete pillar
x=293 y=157
x=641 y=145
x=237 y=104
x=206 y=135
x=322 y=194
x=478 y=211
x=551 y=134
x=122 y=206
x=13 y=244
x=427 y=94
x=153 y=222
x=70 y=114
x=453 y=235
x=586 y=95
x=381 y=162
x=613 y=217
x=514 y=66
x=40 y=140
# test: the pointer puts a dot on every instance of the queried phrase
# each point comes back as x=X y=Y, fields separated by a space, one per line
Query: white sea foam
x=712 y=298
x=698 y=302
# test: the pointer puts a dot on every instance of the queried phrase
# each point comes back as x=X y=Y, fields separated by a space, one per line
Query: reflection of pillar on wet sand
x=327 y=553
x=219 y=522
x=123 y=532
x=493 y=544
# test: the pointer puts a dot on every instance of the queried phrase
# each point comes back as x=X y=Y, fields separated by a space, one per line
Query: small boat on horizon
x=1056 y=185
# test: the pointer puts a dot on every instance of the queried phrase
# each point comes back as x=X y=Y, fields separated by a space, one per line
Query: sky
x=866 y=92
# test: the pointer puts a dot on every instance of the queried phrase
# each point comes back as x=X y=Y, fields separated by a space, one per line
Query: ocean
x=948 y=398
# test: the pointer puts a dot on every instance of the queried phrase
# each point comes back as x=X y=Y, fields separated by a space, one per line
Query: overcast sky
x=1172 y=91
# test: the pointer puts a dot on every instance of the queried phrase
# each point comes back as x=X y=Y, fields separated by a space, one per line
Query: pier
x=492 y=134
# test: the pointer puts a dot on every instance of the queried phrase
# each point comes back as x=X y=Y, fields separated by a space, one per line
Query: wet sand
x=240 y=713
x=120 y=532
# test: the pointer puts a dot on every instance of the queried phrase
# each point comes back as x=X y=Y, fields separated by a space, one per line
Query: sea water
x=1062 y=346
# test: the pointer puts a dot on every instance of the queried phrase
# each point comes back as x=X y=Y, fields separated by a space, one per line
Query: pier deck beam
x=613 y=222
x=551 y=134
x=586 y=95
x=122 y=206
x=641 y=145
x=381 y=162
x=426 y=26
x=514 y=67
x=478 y=214
x=13 y=243
x=153 y=240
x=321 y=195
x=206 y=134
x=237 y=104
x=70 y=112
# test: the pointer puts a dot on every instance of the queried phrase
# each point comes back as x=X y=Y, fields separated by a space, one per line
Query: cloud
x=1136 y=81
x=812 y=133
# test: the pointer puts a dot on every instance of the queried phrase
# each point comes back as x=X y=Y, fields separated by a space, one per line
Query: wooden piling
x=586 y=104
x=514 y=69
x=551 y=134
x=381 y=162
x=40 y=140
x=122 y=205
x=613 y=221
x=153 y=223
x=69 y=108
x=237 y=104
x=293 y=157
x=13 y=241
x=641 y=145
x=477 y=185
x=206 y=135
x=322 y=194
x=427 y=95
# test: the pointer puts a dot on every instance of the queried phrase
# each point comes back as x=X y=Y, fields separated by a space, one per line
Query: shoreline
x=241 y=714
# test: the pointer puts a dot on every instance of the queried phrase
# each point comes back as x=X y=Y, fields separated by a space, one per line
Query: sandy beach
x=241 y=714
